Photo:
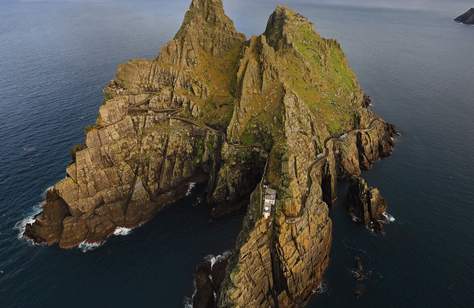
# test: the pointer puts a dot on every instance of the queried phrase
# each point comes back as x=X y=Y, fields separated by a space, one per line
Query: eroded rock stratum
x=280 y=111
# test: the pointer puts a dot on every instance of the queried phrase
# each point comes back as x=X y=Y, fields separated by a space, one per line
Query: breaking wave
x=29 y=149
x=389 y=218
x=190 y=188
x=30 y=219
x=214 y=259
x=43 y=195
x=87 y=246
x=122 y=231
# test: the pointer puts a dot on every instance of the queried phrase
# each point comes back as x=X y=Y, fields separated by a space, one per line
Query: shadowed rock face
x=466 y=18
x=282 y=111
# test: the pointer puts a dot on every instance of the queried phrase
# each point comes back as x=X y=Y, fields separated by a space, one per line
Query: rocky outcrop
x=208 y=278
x=270 y=123
x=48 y=226
x=466 y=18
x=367 y=204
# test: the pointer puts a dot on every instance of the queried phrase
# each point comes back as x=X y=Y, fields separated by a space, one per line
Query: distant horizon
x=436 y=5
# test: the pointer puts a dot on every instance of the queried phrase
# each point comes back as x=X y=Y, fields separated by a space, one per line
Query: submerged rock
x=281 y=111
x=466 y=18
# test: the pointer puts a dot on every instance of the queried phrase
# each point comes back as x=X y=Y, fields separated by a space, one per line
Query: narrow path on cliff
x=172 y=114
x=322 y=157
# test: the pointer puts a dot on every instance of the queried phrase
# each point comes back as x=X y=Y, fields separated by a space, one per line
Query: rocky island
x=269 y=123
x=466 y=18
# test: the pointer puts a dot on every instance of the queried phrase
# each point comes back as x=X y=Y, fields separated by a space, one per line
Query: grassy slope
x=319 y=74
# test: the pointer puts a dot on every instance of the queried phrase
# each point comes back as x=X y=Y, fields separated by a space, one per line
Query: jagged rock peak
x=207 y=7
x=207 y=14
x=282 y=23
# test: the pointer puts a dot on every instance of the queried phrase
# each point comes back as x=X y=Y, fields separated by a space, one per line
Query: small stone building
x=269 y=201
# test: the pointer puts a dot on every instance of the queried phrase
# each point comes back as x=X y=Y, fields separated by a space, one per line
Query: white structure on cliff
x=268 y=201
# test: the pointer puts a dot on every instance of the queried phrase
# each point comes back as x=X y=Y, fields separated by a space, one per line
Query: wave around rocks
x=389 y=218
x=86 y=246
x=122 y=231
x=30 y=219
x=191 y=186
x=214 y=259
x=119 y=231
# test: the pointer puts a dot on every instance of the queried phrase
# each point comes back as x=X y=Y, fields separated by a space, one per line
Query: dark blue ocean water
x=55 y=58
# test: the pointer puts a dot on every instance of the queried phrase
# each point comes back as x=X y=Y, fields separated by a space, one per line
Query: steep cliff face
x=271 y=122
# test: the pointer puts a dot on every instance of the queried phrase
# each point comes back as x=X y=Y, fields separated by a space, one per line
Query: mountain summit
x=269 y=123
x=207 y=24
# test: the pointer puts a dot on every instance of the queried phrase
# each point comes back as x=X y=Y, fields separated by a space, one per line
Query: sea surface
x=418 y=66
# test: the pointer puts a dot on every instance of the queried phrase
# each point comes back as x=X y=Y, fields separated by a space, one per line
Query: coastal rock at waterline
x=366 y=204
x=466 y=18
x=208 y=278
x=48 y=226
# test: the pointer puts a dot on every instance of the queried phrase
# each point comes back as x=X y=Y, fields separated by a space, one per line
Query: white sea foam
x=188 y=301
x=214 y=259
x=87 y=246
x=28 y=148
x=122 y=231
x=389 y=218
x=46 y=191
x=119 y=231
x=190 y=188
x=30 y=219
